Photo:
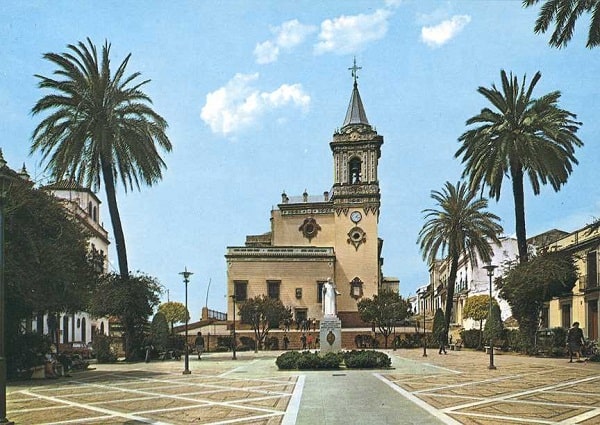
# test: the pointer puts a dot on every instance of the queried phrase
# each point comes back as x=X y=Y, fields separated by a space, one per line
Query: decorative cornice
x=313 y=253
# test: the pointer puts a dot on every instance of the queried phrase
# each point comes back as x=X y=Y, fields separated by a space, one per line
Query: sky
x=254 y=90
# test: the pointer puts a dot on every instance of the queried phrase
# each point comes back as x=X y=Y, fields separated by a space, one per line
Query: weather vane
x=354 y=70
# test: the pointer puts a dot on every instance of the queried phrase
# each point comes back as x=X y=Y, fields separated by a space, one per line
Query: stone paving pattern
x=457 y=388
x=522 y=390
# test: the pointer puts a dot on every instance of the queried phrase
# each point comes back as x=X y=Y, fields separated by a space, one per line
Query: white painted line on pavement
x=291 y=413
x=434 y=412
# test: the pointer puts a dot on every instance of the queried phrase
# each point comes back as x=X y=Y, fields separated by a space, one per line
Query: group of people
x=308 y=343
x=303 y=325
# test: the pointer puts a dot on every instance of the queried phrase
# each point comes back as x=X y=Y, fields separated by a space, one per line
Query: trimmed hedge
x=363 y=359
x=366 y=360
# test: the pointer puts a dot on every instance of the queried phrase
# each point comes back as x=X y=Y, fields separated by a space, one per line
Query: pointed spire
x=356 y=112
x=23 y=173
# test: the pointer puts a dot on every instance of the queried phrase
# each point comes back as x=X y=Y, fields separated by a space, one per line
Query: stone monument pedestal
x=330 y=335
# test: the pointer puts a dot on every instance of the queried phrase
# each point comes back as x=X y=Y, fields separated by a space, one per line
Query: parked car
x=77 y=347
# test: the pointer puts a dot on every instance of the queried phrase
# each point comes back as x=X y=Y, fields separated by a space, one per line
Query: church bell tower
x=356 y=199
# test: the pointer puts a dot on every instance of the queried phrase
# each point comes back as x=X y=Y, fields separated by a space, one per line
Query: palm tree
x=460 y=227
x=520 y=137
x=564 y=13
x=99 y=124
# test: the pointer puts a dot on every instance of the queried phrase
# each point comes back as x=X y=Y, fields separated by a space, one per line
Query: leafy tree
x=460 y=227
x=174 y=312
x=131 y=300
x=477 y=307
x=564 y=14
x=263 y=313
x=494 y=326
x=528 y=286
x=159 y=331
x=439 y=325
x=385 y=310
x=99 y=124
x=47 y=263
x=519 y=137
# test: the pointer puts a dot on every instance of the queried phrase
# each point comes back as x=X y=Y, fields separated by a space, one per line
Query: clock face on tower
x=356 y=216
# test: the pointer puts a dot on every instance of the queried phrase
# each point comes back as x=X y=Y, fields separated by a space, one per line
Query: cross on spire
x=354 y=70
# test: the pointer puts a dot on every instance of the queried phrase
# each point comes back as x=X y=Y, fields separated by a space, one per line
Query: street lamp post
x=234 y=343
x=3 y=182
x=186 y=279
x=424 y=336
x=490 y=272
x=257 y=324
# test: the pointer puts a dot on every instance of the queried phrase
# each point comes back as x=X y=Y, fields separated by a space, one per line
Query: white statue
x=329 y=294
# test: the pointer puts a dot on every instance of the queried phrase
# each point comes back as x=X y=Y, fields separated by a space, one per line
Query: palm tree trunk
x=115 y=218
x=516 y=172
x=450 y=292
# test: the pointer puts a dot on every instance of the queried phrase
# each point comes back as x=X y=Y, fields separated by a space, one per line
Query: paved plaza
x=456 y=388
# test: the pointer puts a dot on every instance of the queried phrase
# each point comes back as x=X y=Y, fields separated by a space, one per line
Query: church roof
x=356 y=112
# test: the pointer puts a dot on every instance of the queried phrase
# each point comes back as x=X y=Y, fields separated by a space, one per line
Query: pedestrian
x=314 y=324
x=575 y=341
x=199 y=343
x=286 y=341
x=310 y=341
x=303 y=341
x=442 y=341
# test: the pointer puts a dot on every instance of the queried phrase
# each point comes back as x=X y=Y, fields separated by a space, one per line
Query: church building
x=313 y=238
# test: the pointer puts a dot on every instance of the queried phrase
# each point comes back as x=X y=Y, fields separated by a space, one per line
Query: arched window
x=90 y=208
x=355 y=169
x=83 y=331
x=65 y=329
x=95 y=214
x=102 y=328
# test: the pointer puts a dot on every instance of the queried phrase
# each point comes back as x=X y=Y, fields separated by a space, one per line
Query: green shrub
x=248 y=343
x=331 y=361
x=308 y=361
x=25 y=351
x=288 y=360
x=366 y=359
x=224 y=341
x=101 y=346
x=470 y=337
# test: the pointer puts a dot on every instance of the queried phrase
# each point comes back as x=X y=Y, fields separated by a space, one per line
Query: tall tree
x=99 y=124
x=564 y=14
x=263 y=314
x=175 y=312
x=528 y=286
x=461 y=226
x=519 y=137
x=477 y=307
x=385 y=310
x=132 y=301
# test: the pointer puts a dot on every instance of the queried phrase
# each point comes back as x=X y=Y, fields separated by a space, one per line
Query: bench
x=456 y=346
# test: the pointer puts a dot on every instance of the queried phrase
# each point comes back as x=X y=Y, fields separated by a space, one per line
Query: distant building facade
x=83 y=204
x=313 y=238
x=581 y=304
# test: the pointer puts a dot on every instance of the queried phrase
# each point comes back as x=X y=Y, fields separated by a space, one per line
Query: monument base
x=330 y=335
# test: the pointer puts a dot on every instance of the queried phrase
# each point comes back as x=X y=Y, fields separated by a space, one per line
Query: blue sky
x=253 y=91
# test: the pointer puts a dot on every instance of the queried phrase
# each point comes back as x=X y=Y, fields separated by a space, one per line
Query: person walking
x=303 y=341
x=575 y=341
x=442 y=342
x=199 y=343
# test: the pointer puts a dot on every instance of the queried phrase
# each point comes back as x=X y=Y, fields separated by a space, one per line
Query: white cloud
x=286 y=36
x=350 y=34
x=266 y=52
x=238 y=105
x=438 y=35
